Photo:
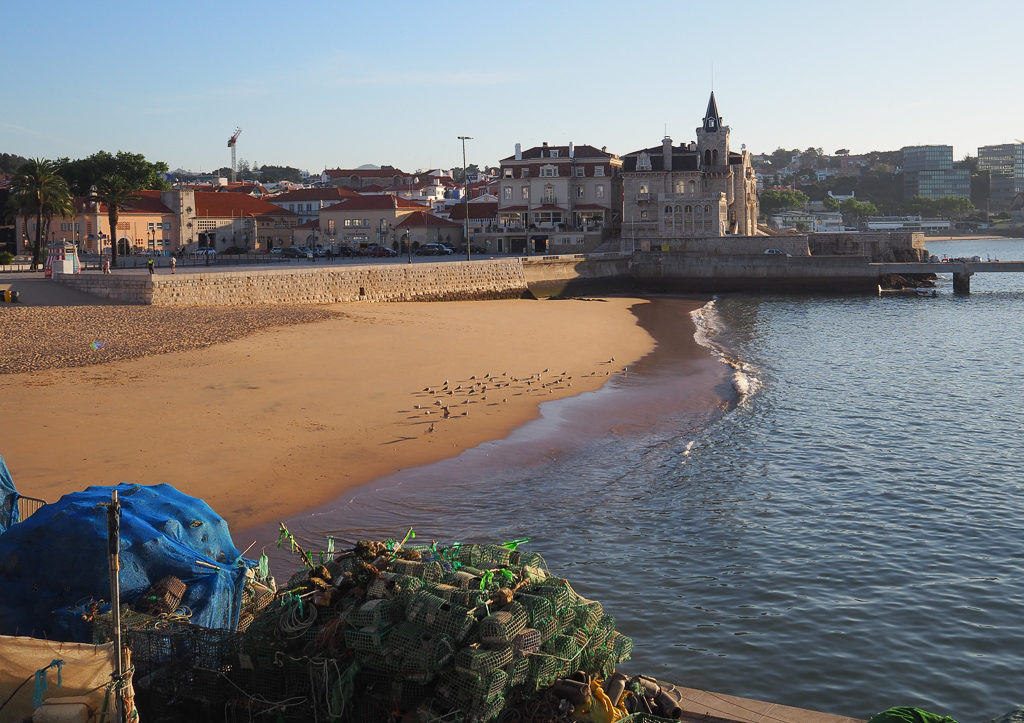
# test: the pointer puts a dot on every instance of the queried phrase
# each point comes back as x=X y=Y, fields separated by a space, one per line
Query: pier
x=961 y=270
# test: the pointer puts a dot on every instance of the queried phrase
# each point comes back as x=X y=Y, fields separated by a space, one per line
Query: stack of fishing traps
x=433 y=632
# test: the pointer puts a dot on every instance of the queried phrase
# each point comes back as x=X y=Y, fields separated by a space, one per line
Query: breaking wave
x=709 y=329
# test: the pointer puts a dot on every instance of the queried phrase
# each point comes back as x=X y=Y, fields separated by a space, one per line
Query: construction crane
x=231 y=144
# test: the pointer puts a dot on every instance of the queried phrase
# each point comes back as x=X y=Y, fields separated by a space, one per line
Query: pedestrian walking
x=174 y=263
x=106 y=266
x=152 y=267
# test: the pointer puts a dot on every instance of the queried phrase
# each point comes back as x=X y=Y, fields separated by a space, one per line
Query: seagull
x=473 y=377
x=431 y=427
x=446 y=413
x=437 y=402
x=545 y=371
x=465 y=414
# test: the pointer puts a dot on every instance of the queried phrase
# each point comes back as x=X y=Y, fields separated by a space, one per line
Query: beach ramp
x=54 y=565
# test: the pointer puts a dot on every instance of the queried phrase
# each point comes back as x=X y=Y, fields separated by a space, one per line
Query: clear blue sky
x=340 y=84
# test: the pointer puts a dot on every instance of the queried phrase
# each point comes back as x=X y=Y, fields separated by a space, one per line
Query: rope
x=296 y=618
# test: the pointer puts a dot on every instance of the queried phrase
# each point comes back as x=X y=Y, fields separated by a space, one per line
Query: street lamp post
x=465 y=192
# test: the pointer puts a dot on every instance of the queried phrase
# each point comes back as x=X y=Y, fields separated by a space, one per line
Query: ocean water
x=844 y=532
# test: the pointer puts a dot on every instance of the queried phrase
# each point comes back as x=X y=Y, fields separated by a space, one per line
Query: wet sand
x=287 y=418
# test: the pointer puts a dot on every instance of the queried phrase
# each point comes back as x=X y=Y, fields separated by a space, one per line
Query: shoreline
x=290 y=417
x=680 y=375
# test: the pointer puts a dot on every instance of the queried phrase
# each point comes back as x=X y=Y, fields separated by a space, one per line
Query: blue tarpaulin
x=57 y=558
x=8 y=498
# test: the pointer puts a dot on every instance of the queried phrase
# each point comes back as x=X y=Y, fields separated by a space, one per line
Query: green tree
x=830 y=203
x=854 y=210
x=780 y=157
x=113 y=180
x=10 y=163
x=772 y=200
x=38 y=190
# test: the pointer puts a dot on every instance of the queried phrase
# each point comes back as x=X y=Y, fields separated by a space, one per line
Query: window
x=525 y=173
x=348 y=223
x=599 y=170
x=506 y=173
x=548 y=172
x=525 y=193
x=554 y=153
x=599 y=191
x=643 y=214
x=330 y=227
x=167 y=225
x=506 y=193
x=668 y=209
x=581 y=171
x=549 y=194
x=644 y=188
x=579 y=191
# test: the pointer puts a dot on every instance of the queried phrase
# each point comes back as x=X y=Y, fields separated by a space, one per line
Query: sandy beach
x=305 y=403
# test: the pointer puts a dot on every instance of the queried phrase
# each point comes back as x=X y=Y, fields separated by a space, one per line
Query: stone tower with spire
x=713 y=138
x=673 y=193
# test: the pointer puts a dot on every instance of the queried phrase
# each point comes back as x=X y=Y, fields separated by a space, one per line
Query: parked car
x=379 y=252
x=434 y=249
x=276 y=250
x=294 y=252
x=234 y=251
x=347 y=251
x=473 y=249
x=204 y=252
x=775 y=252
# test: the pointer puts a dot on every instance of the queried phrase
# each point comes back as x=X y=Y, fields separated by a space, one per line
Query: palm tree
x=114 y=193
x=38 y=190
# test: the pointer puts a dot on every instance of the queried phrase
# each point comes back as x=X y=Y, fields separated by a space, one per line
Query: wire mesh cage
x=484 y=660
x=502 y=625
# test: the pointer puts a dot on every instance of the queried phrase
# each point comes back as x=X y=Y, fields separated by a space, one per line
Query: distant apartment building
x=928 y=172
x=1005 y=165
x=563 y=198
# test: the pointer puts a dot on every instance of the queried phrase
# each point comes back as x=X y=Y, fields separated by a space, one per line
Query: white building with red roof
x=366 y=220
x=423 y=227
x=558 y=199
x=307 y=202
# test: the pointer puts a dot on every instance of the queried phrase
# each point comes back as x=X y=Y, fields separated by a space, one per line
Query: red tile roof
x=377 y=203
x=419 y=219
x=514 y=208
x=314 y=224
x=146 y=202
x=590 y=207
x=331 y=193
x=579 y=152
x=364 y=172
x=479 y=209
x=210 y=204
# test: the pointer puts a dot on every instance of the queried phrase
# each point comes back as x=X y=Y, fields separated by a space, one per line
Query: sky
x=339 y=84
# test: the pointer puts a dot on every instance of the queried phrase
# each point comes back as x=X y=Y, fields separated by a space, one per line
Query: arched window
x=707 y=209
x=714 y=157
x=707 y=158
x=697 y=209
x=668 y=209
x=678 y=209
x=693 y=186
x=689 y=209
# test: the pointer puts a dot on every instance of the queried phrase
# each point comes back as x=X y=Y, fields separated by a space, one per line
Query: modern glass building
x=928 y=171
x=1005 y=164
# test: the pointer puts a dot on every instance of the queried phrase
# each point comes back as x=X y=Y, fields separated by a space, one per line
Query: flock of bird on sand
x=451 y=399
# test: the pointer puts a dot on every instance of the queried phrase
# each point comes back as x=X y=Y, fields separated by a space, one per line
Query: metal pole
x=113 y=550
x=465 y=191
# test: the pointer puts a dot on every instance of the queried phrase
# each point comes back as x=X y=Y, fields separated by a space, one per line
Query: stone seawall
x=490 y=279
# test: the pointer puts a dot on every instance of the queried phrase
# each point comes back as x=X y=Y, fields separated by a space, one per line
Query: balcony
x=643 y=197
